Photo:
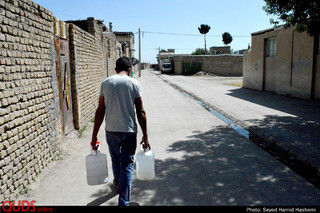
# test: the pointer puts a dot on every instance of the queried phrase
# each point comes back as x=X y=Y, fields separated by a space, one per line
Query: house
x=126 y=40
x=284 y=61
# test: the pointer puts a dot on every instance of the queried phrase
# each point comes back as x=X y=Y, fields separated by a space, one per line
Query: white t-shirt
x=120 y=92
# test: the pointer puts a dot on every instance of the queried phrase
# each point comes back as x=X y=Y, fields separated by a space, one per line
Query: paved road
x=283 y=123
x=199 y=161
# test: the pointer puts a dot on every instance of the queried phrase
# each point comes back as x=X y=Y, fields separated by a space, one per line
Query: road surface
x=199 y=161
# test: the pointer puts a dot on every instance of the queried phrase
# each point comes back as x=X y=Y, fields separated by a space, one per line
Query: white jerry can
x=145 y=165
x=96 y=167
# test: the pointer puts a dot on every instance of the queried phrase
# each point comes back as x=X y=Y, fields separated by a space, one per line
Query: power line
x=185 y=34
x=178 y=34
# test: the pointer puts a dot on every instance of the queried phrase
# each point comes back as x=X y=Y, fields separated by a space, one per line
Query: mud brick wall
x=88 y=69
x=223 y=65
x=112 y=54
x=28 y=97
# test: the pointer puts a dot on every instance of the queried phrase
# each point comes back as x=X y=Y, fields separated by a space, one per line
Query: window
x=271 y=47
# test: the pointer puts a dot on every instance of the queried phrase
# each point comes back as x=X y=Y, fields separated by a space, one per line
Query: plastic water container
x=145 y=165
x=96 y=167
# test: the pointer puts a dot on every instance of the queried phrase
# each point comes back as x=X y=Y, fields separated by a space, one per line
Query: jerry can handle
x=144 y=149
x=94 y=152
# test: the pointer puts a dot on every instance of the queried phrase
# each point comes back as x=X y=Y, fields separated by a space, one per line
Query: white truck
x=165 y=68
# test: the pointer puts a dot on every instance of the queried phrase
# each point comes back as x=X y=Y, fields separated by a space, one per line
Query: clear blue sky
x=238 y=17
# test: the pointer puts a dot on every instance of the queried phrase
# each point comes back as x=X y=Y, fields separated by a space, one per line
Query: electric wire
x=186 y=34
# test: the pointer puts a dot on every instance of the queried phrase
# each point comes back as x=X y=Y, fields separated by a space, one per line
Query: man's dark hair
x=123 y=64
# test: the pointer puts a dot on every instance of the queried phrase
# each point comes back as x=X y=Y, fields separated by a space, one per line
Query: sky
x=170 y=24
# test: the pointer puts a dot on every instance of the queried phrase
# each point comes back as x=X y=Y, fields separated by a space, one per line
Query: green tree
x=226 y=38
x=204 y=29
x=303 y=14
x=200 y=51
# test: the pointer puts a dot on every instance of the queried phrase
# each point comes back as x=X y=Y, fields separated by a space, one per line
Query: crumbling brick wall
x=28 y=97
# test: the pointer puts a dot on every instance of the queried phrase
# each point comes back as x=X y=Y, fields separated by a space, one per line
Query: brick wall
x=91 y=56
x=30 y=113
x=28 y=118
x=112 y=54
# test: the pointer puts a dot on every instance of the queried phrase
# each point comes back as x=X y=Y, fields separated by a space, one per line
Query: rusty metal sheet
x=64 y=83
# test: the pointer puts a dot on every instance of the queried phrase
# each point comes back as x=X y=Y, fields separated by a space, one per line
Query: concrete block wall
x=215 y=64
x=223 y=65
x=28 y=97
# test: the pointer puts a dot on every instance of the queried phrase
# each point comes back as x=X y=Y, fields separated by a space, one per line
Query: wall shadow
x=304 y=135
x=220 y=167
x=309 y=110
x=294 y=140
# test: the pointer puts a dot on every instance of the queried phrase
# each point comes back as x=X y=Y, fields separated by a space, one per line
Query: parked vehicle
x=166 y=68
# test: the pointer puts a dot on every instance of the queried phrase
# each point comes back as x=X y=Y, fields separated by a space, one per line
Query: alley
x=199 y=161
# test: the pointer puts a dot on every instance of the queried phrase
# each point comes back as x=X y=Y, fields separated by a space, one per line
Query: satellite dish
x=134 y=61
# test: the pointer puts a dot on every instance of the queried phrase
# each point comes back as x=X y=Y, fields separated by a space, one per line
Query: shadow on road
x=306 y=109
x=220 y=168
x=103 y=196
x=304 y=135
x=293 y=140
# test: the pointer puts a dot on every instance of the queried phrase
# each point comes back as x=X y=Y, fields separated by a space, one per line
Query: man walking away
x=119 y=95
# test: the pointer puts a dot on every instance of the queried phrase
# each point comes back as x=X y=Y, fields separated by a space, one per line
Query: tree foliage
x=226 y=38
x=303 y=14
x=204 y=28
x=200 y=51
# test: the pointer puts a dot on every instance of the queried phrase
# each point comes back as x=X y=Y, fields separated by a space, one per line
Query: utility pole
x=139 y=53
x=159 y=59
x=205 y=44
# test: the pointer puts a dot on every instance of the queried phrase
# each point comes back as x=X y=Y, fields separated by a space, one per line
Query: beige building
x=283 y=61
x=126 y=41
